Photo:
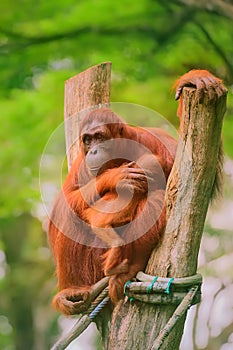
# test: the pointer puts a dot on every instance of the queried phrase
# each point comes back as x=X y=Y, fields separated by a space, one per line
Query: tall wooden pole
x=87 y=90
x=136 y=326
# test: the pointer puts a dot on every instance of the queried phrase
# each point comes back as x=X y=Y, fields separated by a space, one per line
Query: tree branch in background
x=217 y=48
x=220 y=7
x=175 y=24
x=18 y=41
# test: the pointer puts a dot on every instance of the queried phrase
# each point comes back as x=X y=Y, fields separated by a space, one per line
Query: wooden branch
x=163 y=299
x=178 y=313
x=83 y=322
x=218 y=49
x=183 y=282
x=136 y=325
x=158 y=287
x=190 y=186
x=220 y=7
x=87 y=90
x=77 y=329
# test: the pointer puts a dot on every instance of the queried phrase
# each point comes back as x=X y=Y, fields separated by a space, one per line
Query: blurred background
x=150 y=43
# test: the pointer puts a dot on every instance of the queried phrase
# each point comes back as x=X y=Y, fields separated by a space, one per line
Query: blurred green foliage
x=44 y=43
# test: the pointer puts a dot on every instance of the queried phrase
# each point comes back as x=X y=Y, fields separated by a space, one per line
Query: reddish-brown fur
x=77 y=228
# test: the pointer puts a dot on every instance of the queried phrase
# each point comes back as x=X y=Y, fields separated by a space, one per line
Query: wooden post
x=87 y=90
x=136 y=326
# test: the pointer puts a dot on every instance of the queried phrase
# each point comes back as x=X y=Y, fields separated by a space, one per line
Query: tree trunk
x=87 y=90
x=136 y=325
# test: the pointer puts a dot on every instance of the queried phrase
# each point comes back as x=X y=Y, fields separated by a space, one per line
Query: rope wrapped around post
x=183 y=292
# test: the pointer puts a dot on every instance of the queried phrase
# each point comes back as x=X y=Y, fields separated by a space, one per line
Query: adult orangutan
x=110 y=213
